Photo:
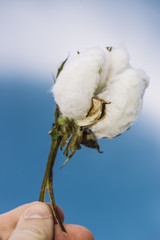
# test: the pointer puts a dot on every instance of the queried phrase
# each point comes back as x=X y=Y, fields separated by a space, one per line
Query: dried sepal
x=73 y=145
x=96 y=113
x=73 y=136
x=89 y=140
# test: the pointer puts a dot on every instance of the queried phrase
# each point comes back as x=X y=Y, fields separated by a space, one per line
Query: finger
x=15 y=213
x=35 y=223
x=60 y=211
x=11 y=218
x=74 y=232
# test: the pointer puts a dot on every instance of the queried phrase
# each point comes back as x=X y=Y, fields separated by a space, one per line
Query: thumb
x=36 y=223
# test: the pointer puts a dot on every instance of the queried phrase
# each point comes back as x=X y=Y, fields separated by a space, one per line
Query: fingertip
x=36 y=222
x=60 y=211
x=84 y=233
x=38 y=210
x=74 y=232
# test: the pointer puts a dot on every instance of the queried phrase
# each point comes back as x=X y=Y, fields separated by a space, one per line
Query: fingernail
x=37 y=211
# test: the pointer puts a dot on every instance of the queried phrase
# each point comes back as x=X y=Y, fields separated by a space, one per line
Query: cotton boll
x=81 y=77
x=125 y=92
x=117 y=60
x=107 y=76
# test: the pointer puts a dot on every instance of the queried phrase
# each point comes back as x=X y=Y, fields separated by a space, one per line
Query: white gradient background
x=35 y=36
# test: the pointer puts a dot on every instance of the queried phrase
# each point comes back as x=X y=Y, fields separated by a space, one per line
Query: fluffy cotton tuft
x=79 y=80
x=125 y=92
x=104 y=75
x=117 y=61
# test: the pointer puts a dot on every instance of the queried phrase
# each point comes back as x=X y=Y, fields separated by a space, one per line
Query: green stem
x=51 y=159
x=47 y=180
x=54 y=207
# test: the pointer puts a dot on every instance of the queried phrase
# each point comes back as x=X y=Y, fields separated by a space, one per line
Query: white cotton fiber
x=125 y=92
x=117 y=61
x=107 y=76
x=81 y=77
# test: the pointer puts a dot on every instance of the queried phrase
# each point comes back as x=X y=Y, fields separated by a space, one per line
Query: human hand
x=35 y=221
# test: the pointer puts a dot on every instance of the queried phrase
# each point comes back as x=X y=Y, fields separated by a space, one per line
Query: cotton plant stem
x=51 y=159
x=47 y=180
x=54 y=208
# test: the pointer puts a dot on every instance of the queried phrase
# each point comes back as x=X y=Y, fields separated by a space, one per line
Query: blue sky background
x=115 y=194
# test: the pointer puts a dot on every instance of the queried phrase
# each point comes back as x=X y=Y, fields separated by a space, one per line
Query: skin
x=35 y=221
